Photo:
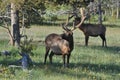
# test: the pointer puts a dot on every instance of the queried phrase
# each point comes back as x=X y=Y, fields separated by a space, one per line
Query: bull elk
x=60 y=44
x=93 y=30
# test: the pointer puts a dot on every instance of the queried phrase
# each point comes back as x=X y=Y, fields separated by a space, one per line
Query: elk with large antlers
x=60 y=44
x=93 y=30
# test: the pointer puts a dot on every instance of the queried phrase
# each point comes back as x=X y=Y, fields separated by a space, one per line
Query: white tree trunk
x=15 y=26
x=118 y=12
x=112 y=11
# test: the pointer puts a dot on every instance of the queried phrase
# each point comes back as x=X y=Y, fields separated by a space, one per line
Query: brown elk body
x=93 y=30
x=59 y=44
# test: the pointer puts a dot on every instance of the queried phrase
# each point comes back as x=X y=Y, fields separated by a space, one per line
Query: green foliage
x=27 y=46
x=50 y=16
x=6 y=73
x=47 y=7
x=14 y=51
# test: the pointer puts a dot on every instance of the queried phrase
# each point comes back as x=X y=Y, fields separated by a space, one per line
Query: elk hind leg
x=86 y=40
x=103 y=40
x=50 y=56
x=46 y=54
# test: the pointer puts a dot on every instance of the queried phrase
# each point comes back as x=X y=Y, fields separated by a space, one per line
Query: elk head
x=68 y=35
x=75 y=23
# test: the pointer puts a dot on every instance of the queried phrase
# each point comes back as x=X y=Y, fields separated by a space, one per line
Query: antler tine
x=65 y=26
x=83 y=18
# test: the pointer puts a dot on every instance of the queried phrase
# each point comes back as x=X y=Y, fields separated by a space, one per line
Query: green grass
x=86 y=63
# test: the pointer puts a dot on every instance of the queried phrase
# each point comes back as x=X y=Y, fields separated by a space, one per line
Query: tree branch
x=8 y=30
x=1 y=17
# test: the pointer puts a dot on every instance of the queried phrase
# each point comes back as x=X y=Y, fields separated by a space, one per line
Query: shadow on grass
x=75 y=70
x=108 y=49
x=7 y=61
x=56 y=69
x=106 y=68
x=79 y=70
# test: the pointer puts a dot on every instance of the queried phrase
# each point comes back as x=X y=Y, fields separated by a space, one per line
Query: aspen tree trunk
x=15 y=31
x=118 y=12
x=100 y=13
x=112 y=11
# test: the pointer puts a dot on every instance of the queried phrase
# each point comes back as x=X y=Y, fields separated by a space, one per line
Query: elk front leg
x=68 y=58
x=86 y=40
x=64 y=60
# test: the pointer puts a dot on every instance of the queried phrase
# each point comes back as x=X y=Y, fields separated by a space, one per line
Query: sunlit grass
x=86 y=63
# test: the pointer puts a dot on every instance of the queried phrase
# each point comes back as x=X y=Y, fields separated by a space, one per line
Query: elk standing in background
x=60 y=44
x=93 y=30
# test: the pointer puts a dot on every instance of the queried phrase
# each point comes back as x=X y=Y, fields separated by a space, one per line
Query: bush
x=27 y=46
x=14 y=52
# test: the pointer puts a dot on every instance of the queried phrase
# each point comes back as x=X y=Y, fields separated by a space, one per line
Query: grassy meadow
x=86 y=63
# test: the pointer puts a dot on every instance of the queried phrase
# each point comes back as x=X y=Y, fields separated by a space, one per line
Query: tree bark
x=112 y=11
x=100 y=13
x=118 y=12
x=15 y=31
